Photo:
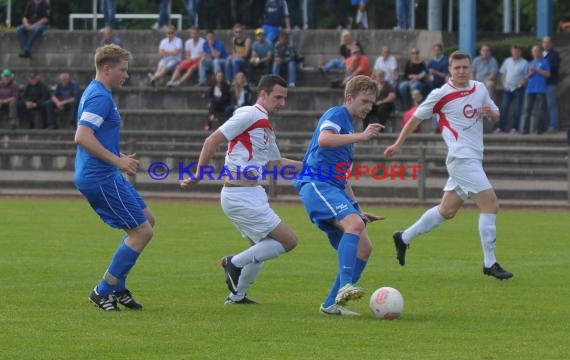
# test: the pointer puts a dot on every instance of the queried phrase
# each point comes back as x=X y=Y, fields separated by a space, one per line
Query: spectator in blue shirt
x=552 y=83
x=437 y=68
x=108 y=38
x=62 y=106
x=538 y=72
x=261 y=53
x=485 y=69
x=214 y=56
x=275 y=16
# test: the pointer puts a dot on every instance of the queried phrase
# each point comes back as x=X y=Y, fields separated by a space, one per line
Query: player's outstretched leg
x=427 y=222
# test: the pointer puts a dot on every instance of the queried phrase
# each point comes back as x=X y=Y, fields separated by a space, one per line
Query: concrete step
x=64 y=48
x=520 y=190
x=55 y=150
x=135 y=97
x=138 y=76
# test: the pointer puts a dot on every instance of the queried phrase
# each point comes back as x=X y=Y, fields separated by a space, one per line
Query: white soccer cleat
x=348 y=292
x=335 y=309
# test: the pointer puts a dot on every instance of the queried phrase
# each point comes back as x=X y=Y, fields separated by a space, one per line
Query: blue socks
x=358 y=269
x=347 y=249
x=349 y=267
x=123 y=260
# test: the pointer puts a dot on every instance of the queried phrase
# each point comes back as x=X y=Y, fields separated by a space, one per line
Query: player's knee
x=448 y=214
x=291 y=243
x=151 y=220
x=355 y=226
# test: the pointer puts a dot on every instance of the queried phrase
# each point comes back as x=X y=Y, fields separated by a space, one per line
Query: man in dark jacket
x=34 y=22
x=34 y=102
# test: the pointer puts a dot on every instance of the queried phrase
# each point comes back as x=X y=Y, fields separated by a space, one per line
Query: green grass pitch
x=52 y=253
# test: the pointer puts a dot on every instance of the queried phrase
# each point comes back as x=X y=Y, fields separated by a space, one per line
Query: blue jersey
x=97 y=110
x=329 y=164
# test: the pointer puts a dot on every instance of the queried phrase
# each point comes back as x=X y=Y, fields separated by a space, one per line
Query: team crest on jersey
x=469 y=112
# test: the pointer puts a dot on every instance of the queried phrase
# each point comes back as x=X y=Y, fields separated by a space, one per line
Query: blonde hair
x=360 y=84
x=459 y=55
x=343 y=34
x=111 y=55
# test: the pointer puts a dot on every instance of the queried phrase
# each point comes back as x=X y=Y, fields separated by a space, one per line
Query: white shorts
x=466 y=177
x=248 y=208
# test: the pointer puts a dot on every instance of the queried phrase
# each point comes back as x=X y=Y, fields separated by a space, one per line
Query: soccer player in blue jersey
x=328 y=197
x=98 y=167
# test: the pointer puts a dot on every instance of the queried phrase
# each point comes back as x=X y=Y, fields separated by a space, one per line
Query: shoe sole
x=100 y=308
x=498 y=277
x=352 y=294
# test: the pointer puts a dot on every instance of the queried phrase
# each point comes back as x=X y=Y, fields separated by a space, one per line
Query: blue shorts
x=117 y=203
x=325 y=203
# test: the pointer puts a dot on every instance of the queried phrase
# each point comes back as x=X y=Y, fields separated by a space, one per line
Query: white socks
x=260 y=252
x=429 y=220
x=248 y=276
x=488 y=234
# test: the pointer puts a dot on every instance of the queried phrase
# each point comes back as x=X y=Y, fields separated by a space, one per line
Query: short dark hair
x=268 y=82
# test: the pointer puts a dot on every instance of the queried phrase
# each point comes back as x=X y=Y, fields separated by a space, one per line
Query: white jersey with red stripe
x=251 y=140
x=458 y=112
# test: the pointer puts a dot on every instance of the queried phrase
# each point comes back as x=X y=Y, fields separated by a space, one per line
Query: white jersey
x=195 y=50
x=251 y=140
x=458 y=112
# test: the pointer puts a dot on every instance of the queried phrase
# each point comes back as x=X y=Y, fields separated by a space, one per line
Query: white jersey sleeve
x=251 y=138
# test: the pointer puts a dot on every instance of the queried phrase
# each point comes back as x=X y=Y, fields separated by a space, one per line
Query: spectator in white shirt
x=170 y=51
x=387 y=63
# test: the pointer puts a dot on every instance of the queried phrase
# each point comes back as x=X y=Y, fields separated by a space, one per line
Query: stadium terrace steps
x=59 y=48
x=54 y=182
x=138 y=76
x=507 y=157
x=145 y=97
x=163 y=124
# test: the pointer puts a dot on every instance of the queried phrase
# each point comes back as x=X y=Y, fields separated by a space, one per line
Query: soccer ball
x=386 y=303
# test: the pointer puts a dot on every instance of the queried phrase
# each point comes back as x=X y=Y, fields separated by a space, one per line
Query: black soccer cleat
x=497 y=271
x=401 y=247
x=244 y=301
x=125 y=298
x=232 y=273
x=106 y=303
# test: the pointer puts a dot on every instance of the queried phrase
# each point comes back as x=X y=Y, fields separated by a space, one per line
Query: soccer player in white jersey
x=251 y=150
x=460 y=106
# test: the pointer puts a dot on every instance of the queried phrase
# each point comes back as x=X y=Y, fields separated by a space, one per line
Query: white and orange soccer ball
x=387 y=303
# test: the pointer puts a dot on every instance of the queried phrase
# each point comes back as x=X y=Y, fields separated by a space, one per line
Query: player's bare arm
x=208 y=150
x=406 y=131
x=85 y=137
x=329 y=138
